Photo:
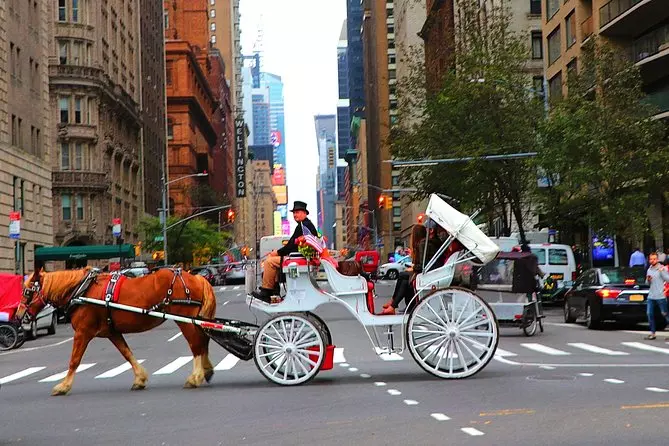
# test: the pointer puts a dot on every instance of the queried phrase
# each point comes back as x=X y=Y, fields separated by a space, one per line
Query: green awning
x=85 y=252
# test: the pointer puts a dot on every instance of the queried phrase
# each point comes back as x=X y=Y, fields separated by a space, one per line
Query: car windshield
x=541 y=255
x=622 y=276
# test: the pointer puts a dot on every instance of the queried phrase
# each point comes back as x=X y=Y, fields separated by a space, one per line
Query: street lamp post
x=165 y=211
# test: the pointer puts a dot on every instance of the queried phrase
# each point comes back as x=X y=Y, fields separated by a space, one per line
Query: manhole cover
x=551 y=378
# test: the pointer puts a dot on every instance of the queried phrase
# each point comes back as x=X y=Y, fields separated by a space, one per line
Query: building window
x=18 y=194
x=75 y=11
x=212 y=26
x=555 y=86
x=77 y=110
x=65 y=156
x=166 y=18
x=570 y=28
x=554 y=46
x=571 y=68
x=80 y=207
x=64 y=106
x=212 y=13
x=62 y=10
x=212 y=2
x=535 y=7
x=552 y=6
x=89 y=111
x=66 y=207
x=15 y=132
x=397 y=226
x=62 y=52
x=538 y=85
x=397 y=211
x=537 y=45
x=76 y=53
x=78 y=156
x=168 y=73
x=213 y=39
x=170 y=129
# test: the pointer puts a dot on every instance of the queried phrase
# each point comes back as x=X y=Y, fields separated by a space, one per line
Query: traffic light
x=231 y=216
x=389 y=203
x=421 y=218
x=158 y=255
x=138 y=249
x=382 y=201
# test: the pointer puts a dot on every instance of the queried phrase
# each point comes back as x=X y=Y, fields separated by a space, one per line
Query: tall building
x=343 y=104
x=225 y=34
x=327 y=173
x=263 y=199
x=95 y=94
x=274 y=86
x=152 y=85
x=354 y=56
x=191 y=102
x=261 y=116
x=641 y=28
x=25 y=142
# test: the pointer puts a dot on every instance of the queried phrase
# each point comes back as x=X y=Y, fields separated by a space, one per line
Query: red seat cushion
x=370 y=296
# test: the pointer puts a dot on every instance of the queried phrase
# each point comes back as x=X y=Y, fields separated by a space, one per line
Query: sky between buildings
x=300 y=45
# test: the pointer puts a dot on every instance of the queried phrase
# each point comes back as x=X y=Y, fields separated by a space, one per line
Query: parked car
x=47 y=319
x=392 y=270
x=208 y=272
x=235 y=271
x=609 y=294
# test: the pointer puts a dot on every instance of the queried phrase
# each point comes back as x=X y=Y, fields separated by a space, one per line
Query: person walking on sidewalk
x=637 y=258
x=656 y=276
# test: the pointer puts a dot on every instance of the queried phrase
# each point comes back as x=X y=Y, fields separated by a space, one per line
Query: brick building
x=438 y=33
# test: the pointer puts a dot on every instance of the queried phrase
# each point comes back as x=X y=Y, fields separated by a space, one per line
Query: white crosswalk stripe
x=503 y=353
x=650 y=348
x=595 y=349
x=388 y=357
x=117 y=370
x=227 y=363
x=22 y=374
x=174 y=365
x=61 y=375
x=545 y=349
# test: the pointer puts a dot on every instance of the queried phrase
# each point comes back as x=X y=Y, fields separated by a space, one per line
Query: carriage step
x=238 y=345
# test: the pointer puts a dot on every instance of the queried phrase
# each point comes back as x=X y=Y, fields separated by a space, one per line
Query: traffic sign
x=116 y=227
x=158 y=238
x=15 y=225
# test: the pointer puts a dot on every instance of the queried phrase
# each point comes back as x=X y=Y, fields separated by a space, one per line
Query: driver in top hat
x=270 y=276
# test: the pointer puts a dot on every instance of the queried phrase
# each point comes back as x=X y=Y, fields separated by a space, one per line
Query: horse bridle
x=30 y=293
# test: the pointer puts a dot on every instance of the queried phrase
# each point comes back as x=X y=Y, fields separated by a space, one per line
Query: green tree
x=608 y=156
x=483 y=108
x=184 y=240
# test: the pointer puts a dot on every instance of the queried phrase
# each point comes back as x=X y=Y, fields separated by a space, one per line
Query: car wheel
x=54 y=321
x=392 y=274
x=32 y=333
x=568 y=314
x=590 y=322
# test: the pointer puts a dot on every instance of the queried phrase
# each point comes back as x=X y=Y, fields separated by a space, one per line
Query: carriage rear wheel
x=452 y=333
x=9 y=336
x=289 y=349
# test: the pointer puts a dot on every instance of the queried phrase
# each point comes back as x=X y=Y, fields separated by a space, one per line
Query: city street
x=568 y=385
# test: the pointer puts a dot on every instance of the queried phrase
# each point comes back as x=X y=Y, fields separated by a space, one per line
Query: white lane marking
x=614 y=381
x=505 y=361
x=439 y=417
x=650 y=348
x=174 y=337
x=174 y=365
x=379 y=384
x=365 y=375
x=352 y=369
x=61 y=375
x=410 y=402
x=595 y=349
x=239 y=294
x=221 y=289
x=225 y=303
x=344 y=364
x=21 y=374
x=503 y=353
x=32 y=349
x=545 y=349
x=238 y=287
x=227 y=363
x=657 y=389
x=471 y=431
x=339 y=355
x=586 y=374
x=547 y=367
x=117 y=370
x=394 y=392
x=386 y=356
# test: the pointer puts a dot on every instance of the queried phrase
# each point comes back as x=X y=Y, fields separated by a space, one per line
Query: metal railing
x=659 y=99
x=587 y=29
x=650 y=44
x=614 y=9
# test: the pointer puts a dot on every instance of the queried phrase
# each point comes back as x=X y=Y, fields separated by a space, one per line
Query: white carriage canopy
x=462 y=228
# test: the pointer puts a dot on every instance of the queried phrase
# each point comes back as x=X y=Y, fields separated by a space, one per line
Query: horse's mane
x=58 y=284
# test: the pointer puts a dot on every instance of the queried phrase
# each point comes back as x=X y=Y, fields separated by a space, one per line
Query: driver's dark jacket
x=291 y=246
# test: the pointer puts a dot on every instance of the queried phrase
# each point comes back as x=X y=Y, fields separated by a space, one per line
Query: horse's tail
x=208 y=309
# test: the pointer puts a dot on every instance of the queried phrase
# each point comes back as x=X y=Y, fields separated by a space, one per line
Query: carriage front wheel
x=452 y=333
x=289 y=349
x=9 y=336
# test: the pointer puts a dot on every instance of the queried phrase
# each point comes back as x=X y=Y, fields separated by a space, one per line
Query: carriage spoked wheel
x=452 y=333
x=9 y=336
x=289 y=349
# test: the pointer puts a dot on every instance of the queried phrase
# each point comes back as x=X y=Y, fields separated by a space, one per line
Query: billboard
x=275 y=138
x=285 y=226
x=281 y=194
x=283 y=210
x=279 y=176
x=278 y=229
x=240 y=158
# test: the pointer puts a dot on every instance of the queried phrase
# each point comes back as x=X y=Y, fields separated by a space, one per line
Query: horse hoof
x=138 y=387
x=208 y=375
x=59 y=391
x=189 y=385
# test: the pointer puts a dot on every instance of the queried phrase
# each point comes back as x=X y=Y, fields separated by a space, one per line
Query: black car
x=609 y=294
x=207 y=272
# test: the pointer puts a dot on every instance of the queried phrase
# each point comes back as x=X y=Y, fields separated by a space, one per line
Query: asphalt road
x=567 y=386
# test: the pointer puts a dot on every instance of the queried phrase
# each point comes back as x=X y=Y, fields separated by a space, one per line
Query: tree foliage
x=483 y=108
x=186 y=242
x=608 y=155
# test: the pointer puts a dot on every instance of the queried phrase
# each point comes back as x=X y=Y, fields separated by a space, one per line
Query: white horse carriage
x=450 y=332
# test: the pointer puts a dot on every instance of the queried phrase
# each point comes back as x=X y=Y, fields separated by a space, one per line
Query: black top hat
x=300 y=206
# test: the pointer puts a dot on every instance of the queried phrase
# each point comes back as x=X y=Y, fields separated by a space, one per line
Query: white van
x=556 y=261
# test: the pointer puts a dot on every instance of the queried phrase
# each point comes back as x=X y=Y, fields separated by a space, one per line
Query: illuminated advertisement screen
x=278 y=229
x=285 y=226
x=281 y=194
x=283 y=210
x=279 y=177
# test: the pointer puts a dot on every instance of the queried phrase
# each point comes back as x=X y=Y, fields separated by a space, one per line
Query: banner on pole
x=116 y=227
x=15 y=225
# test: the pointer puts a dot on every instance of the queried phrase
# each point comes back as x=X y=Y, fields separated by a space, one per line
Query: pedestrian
x=526 y=273
x=656 y=276
x=637 y=258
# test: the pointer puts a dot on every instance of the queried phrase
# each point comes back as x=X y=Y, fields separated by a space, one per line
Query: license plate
x=557 y=276
x=636 y=297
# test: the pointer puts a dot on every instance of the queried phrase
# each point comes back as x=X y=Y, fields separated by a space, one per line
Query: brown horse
x=167 y=290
